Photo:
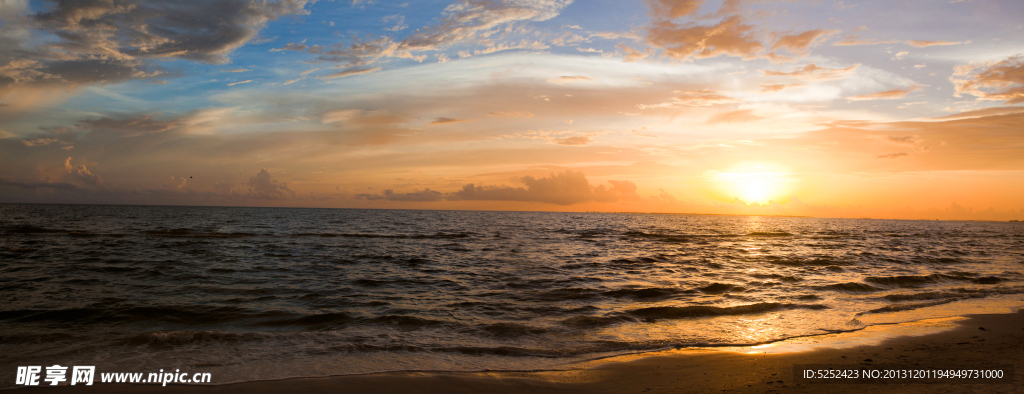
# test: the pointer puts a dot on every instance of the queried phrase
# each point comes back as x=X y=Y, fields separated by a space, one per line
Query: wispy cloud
x=569 y=79
x=350 y=72
x=999 y=81
x=440 y=121
x=886 y=95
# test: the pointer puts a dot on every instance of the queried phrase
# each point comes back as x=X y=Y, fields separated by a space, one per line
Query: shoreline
x=947 y=343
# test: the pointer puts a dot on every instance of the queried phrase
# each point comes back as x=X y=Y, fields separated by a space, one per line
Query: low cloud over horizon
x=565 y=188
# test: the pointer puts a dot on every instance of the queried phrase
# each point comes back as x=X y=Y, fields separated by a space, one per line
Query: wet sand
x=977 y=340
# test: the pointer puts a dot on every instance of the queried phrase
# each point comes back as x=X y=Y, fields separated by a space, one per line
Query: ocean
x=267 y=293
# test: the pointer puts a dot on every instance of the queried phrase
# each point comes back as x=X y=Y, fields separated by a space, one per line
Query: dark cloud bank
x=565 y=188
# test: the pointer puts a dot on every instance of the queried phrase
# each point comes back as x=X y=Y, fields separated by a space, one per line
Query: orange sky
x=873 y=109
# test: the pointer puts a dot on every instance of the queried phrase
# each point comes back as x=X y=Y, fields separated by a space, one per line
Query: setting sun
x=751 y=183
x=755 y=191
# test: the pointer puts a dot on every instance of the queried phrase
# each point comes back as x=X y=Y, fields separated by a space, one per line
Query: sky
x=880 y=109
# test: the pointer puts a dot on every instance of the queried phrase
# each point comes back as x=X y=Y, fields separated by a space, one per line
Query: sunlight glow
x=752 y=183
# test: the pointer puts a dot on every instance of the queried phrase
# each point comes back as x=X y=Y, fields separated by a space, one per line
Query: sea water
x=266 y=293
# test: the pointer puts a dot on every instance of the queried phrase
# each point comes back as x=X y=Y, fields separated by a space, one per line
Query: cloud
x=729 y=37
x=463 y=21
x=633 y=55
x=40 y=141
x=291 y=46
x=578 y=140
x=855 y=40
x=237 y=70
x=738 y=116
x=71 y=43
x=569 y=79
x=262 y=187
x=565 y=188
x=921 y=44
x=522 y=44
x=418 y=196
x=778 y=87
x=973 y=143
x=240 y=82
x=130 y=127
x=205 y=31
x=694 y=98
x=674 y=8
x=1000 y=81
x=80 y=174
x=361 y=118
x=510 y=114
x=906 y=139
x=398 y=22
x=812 y=72
x=440 y=121
x=176 y=183
x=979 y=113
x=799 y=43
x=886 y=95
x=350 y=72
x=37 y=185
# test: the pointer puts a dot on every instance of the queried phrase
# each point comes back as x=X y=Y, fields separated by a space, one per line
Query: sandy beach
x=975 y=340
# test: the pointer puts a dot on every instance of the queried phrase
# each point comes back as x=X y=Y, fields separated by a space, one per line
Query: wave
x=189 y=233
x=511 y=330
x=406 y=322
x=193 y=316
x=575 y=293
x=437 y=235
x=30 y=229
x=718 y=288
x=918 y=280
x=636 y=261
x=777 y=276
x=657 y=237
x=690 y=237
x=769 y=234
x=810 y=262
x=583 y=321
x=907 y=307
x=646 y=293
x=682 y=312
x=317 y=320
x=851 y=287
x=177 y=338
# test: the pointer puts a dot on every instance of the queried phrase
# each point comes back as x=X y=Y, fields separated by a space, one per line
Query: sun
x=755 y=190
x=751 y=182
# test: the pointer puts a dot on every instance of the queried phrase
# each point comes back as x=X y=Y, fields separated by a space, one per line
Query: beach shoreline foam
x=969 y=341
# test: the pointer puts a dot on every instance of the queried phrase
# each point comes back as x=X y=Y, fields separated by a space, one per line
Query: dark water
x=260 y=293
